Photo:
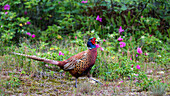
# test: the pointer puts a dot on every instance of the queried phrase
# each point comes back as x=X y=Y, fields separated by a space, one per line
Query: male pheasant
x=78 y=65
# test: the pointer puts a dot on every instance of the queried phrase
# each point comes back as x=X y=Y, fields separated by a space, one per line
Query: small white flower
x=59 y=27
x=159 y=56
x=160 y=41
x=98 y=38
x=119 y=50
x=1 y=26
x=150 y=71
x=92 y=31
x=160 y=72
x=147 y=20
x=38 y=54
x=143 y=37
x=146 y=54
x=111 y=35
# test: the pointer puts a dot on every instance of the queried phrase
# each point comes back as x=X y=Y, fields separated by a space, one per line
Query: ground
x=44 y=83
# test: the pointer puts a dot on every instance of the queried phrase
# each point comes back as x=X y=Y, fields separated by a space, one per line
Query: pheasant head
x=91 y=43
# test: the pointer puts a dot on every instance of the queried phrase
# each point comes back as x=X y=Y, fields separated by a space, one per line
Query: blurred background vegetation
x=51 y=18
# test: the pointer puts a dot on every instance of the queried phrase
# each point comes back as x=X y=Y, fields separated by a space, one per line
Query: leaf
x=124 y=8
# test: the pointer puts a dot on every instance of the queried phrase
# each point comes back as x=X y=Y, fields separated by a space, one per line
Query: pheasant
x=78 y=65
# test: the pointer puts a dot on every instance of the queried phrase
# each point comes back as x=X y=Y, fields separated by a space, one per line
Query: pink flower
x=150 y=35
x=129 y=77
x=139 y=50
x=28 y=33
x=75 y=37
x=97 y=45
x=33 y=36
x=130 y=58
x=60 y=53
x=28 y=22
x=132 y=65
x=99 y=19
x=121 y=81
x=135 y=79
x=136 y=55
x=141 y=16
x=84 y=1
x=146 y=54
x=120 y=39
x=59 y=2
x=46 y=65
x=121 y=30
x=138 y=67
x=25 y=12
x=6 y=7
x=162 y=81
x=6 y=13
x=101 y=49
x=104 y=40
x=122 y=44
x=136 y=74
x=63 y=74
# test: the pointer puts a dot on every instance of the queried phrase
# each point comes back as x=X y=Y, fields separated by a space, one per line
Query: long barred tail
x=38 y=59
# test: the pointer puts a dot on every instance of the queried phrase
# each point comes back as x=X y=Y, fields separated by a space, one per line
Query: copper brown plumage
x=77 y=65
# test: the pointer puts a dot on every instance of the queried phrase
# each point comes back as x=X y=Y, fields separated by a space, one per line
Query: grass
x=22 y=76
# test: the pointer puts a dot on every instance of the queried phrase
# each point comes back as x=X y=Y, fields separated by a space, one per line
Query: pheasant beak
x=93 y=41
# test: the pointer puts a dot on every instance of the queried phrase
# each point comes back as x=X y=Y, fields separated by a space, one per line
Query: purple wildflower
x=28 y=33
x=121 y=30
x=6 y=7
x=60 y=53
x=120 y=39
x=33 y=36
x=122 y=44
x=139 y=50
x=28 y=22
x=99 y=19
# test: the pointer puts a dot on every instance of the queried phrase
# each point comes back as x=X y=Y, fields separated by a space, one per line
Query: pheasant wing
x=72 y=61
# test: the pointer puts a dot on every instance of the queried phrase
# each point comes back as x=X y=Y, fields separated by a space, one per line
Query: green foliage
x=13 y=27
x=13 y=82
x=158 y=88
x=51 y=33
x=70 y=17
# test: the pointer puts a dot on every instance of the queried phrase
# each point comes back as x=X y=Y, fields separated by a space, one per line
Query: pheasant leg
x=96 y=80
x=76 y=83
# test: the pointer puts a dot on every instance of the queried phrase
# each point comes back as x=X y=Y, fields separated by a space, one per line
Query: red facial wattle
x=93 y=41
